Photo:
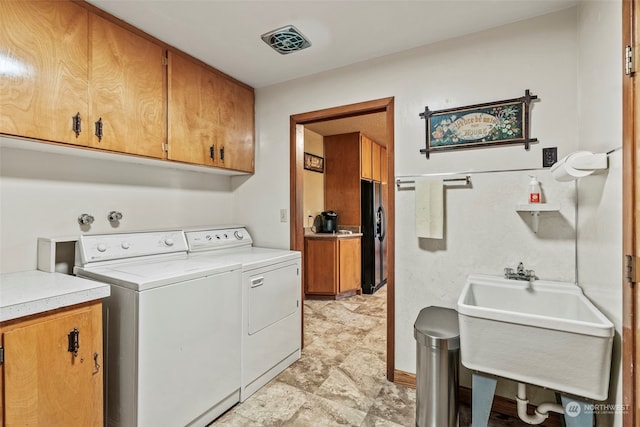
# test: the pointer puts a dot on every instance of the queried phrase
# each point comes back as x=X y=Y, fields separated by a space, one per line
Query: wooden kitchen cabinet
x=127 y=91
x=342 y=155
x=44 y=82
x=211 y=118
x=70 y=60
x=42 y=381
x=375 y=162
x=366 y=151
x=332 y=266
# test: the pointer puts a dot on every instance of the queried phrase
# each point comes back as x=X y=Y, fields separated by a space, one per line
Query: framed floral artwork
x=480 y=125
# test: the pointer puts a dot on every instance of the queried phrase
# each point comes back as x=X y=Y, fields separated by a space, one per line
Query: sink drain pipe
x=541 y=412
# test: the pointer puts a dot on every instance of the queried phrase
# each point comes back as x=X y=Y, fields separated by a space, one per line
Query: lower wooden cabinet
x=52 y=370
x=332 y=266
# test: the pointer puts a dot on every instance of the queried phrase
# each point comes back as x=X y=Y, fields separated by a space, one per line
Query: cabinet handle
x=74 y=341
x=258 y=281
x=99 y=129
x=76 y=124
x=95 y=362
x=222 y=154
x=212 y=152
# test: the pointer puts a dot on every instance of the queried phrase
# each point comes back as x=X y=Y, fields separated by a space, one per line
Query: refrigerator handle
x=381 y=223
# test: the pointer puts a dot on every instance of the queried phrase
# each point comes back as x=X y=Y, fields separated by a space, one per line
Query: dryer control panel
x=218 y=238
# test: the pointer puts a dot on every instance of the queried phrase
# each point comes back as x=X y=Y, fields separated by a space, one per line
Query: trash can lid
x=437 y=327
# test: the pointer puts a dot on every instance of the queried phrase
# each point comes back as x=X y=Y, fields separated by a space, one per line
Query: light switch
x=283 y=215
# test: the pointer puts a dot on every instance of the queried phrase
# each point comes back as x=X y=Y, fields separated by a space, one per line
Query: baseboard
x=501 y=405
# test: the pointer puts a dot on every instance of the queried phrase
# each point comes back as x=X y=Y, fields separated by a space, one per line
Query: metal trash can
x=438 y=356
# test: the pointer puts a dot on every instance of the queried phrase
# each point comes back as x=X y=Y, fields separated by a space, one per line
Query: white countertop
x=32 y=292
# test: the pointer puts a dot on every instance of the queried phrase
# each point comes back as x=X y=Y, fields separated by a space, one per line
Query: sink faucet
x=520 y=273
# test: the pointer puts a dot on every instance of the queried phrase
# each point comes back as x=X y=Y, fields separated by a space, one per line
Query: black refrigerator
x=373 y=226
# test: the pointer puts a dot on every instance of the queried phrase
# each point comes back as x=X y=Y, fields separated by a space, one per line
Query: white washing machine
x=171 y=326
x=271 y=299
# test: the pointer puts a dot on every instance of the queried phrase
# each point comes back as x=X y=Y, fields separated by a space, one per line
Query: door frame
x=630 y=213
x=296 y=168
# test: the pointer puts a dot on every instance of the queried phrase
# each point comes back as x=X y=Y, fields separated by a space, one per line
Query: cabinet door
x=44 y=383
x=211 y=119
x=350 y=264
x=237 y=122
x=376 y=162
x=44 y=52
x=127 y=89
x=384 y=164
x=365 y=158
x=194 y=133
x=321 y=266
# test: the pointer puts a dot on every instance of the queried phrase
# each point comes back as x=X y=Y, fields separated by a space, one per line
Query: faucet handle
x=508 y=271
x=530 y=274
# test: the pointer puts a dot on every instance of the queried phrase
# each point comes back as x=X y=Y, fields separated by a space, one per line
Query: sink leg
x=482 y=391
x=577 y=413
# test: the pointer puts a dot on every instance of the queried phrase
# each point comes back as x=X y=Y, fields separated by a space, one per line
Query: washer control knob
x=226 y=236
x=125 y=245
x=208 y=237
x=218 y=236
x=239 y=235
x=102 y=247
x=168 y=241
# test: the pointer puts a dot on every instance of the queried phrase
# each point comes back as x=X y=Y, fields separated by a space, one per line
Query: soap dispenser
x=534 y=190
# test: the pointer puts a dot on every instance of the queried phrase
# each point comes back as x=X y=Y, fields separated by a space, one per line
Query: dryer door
x=272 y=296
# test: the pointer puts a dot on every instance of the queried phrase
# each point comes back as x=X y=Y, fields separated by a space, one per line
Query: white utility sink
x=543 y=333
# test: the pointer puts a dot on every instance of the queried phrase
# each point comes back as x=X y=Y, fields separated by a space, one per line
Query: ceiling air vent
x=286 y=40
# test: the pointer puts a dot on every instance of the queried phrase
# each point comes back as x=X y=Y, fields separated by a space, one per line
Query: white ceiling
x=226 y=33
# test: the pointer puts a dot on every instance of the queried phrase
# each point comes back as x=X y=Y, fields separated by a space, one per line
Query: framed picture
x=313 y=163
x=480 y=125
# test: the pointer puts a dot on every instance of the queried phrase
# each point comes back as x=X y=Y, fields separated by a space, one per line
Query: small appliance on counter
x=326 y=222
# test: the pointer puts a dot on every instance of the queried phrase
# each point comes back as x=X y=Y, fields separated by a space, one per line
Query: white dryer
x=271 y=299
x=171 y=326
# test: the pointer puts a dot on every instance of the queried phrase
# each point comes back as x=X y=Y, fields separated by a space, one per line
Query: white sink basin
x=543 y=333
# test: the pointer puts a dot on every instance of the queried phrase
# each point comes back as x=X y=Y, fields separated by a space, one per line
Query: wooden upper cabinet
x=384 y=165
x=376 y=162
x=237 y=120
x=127 y=91
x=366 y=149
x=44 y=53
x=211 y=118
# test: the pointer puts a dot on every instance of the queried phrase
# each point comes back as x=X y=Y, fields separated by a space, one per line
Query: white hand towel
x=429 y=208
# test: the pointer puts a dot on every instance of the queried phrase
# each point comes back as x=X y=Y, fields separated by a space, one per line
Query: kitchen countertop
x=309 y=233
x=31 y=292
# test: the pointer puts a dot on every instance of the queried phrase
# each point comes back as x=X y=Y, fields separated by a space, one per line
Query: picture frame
x=479 y=125
x=313 y=163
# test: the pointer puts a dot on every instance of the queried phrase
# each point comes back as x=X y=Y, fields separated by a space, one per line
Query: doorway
x=385 y=107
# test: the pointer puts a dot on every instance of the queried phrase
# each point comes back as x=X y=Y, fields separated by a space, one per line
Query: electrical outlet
x=549 y=156
x=283 y=215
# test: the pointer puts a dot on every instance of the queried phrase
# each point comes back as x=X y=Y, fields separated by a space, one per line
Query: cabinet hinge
x=1 y=355
x=631 y=267
x=628 y=61
x=165 y=147
x=165 y=61
x=297 y=271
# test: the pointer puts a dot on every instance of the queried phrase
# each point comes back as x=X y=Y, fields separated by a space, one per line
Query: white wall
x=42 y=194
x=313 y=182
x=538 y=54
x=600 y=195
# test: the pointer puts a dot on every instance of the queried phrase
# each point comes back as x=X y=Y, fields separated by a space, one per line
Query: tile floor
x=340 y=378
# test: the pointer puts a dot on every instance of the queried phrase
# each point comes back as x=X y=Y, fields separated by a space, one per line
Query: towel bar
x=466 y=179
